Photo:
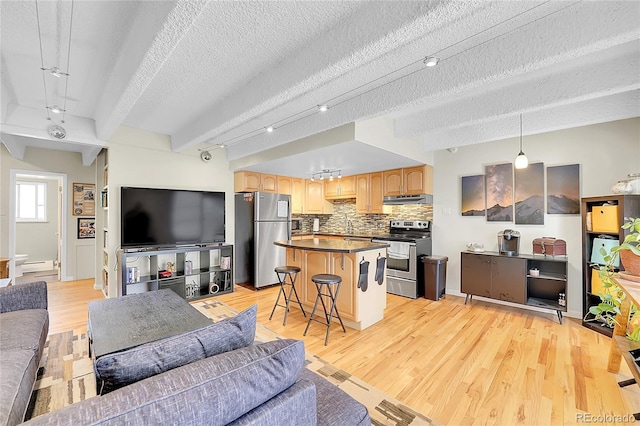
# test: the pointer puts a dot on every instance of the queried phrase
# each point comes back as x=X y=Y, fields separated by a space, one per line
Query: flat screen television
x=171 y=217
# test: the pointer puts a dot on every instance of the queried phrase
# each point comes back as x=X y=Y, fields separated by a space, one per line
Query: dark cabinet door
x=509 y=279
x=476 y=274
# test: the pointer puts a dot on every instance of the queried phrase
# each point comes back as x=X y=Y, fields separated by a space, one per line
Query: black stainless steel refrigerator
x=261 y=218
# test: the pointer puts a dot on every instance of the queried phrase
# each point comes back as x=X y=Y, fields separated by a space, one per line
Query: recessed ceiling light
x=431 y=61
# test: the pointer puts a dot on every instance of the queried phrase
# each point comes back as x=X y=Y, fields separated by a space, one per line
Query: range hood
x=408 y=199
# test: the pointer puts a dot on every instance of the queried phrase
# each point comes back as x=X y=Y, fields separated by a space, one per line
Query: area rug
x=66 y=375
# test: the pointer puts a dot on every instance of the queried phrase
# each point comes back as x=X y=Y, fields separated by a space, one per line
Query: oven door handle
x=388 y=241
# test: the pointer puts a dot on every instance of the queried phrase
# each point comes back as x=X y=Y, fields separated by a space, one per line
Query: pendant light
x=521 y=160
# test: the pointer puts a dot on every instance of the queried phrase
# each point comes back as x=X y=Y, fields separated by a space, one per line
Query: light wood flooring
x=458 y=364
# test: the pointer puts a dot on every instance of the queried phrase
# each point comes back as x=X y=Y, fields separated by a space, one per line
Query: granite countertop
x=334 y=246
x=358 y=234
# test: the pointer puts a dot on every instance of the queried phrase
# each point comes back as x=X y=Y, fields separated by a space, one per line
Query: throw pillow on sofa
x=122 y=368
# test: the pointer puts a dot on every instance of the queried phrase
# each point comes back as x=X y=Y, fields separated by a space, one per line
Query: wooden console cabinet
x=507 y=278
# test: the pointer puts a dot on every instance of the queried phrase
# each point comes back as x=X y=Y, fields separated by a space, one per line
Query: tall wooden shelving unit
x=628 y=206
x=102 y=224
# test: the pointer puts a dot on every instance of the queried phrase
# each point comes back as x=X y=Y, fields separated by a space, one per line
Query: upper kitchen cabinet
x=408 y=181
x=246 y=181
x=284 y=185
x=344 y=187
x=297 y=195
x=315 y=203
x=369 y=193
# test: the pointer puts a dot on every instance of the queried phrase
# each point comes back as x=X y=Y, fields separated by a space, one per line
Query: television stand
x=193 y=272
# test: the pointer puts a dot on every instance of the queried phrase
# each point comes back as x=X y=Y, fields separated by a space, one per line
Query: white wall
x=606 y=153
x=46 y=160
x=144 y=159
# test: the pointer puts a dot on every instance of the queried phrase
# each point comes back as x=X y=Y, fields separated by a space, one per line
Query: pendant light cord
x=521 y=134
x=66 y=85
x=44 y=81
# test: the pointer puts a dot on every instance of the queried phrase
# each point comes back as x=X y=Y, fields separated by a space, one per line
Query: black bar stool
x=284 y=272
x=330 y=283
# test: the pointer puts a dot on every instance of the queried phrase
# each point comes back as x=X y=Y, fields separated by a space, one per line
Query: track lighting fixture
x=269 y=129
x=323 y=107
x=327 y=172
x=431 y=61
x=55 y=109
x=55 y=71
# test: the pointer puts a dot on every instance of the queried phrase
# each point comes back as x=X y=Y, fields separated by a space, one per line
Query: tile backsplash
x=363 y=223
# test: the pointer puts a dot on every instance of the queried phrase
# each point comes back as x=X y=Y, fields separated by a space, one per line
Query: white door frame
x=62 y=179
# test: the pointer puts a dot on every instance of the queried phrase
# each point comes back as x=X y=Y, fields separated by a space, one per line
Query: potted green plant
x=611 y=299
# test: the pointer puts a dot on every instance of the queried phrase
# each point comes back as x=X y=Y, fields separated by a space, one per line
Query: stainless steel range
x=407 y=240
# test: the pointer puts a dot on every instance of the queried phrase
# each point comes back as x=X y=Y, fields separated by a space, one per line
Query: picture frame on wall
x=473 y=202
x=84 y=199
x=86 y=228
x=563 y=189
x=529 y=195
x=499 y=192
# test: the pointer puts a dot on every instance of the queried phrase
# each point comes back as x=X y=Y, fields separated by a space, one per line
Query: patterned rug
x=66 y=375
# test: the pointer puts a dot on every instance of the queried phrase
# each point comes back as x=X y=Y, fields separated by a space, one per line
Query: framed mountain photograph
x=473 y=196
x=499 y=192
x=563 y=189
x=529 y=195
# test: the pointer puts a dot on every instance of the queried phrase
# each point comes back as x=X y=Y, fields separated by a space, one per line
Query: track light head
x=431 y=61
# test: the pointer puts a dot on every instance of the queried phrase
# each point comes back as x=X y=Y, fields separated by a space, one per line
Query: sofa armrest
x=24 y=296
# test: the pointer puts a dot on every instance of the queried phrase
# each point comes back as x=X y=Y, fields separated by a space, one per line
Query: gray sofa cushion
x=294 y=406
x=122 y=368
x=19 y=369
x=24 y=296
x=24 y=330
x=213 y=391
x=335 y=406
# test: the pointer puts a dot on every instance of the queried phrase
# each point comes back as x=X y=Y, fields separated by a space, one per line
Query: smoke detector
x=57 y=132
x=205 y=155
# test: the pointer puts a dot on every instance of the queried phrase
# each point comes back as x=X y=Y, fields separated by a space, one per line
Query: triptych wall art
x=505 y=194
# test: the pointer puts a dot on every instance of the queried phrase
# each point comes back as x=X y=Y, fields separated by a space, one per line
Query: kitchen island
x=359 y=307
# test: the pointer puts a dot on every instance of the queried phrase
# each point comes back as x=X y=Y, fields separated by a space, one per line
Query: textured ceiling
x=212 y=72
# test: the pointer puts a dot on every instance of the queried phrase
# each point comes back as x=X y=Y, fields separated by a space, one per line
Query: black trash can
x=434 y=274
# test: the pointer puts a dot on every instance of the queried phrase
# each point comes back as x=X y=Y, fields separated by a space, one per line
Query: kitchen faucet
x=348 y=226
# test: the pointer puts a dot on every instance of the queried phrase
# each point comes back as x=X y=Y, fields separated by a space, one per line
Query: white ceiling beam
x=89 y=154
x=604 y=75
x=561 y=116
x=347 y=48
x=482 y=67
x=14 y=145
x=137 y=64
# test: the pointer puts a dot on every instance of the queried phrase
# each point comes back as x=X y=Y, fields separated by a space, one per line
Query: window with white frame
x=31 y=201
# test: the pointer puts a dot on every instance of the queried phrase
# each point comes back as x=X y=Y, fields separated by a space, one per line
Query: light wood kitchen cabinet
x=369 y=193
x=392 y=182
x=284 y=185
x=315 y=262
x=246 y=181
x=340 y=188
x=418 y=180
x=297 y=195
x=408 y=181
x=346 y=301
x=315 y=202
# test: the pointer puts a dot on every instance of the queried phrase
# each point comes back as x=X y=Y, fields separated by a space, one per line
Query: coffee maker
x=509 y=242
